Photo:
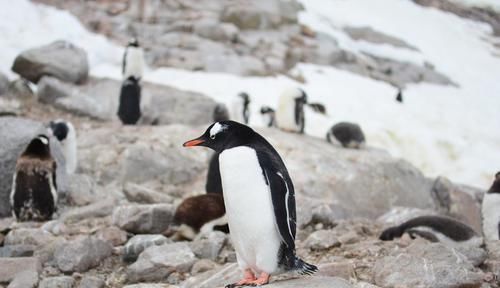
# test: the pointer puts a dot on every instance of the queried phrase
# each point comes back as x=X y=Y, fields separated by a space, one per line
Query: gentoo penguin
x=290 y=114
x=129 y=110
x=259 y=199
x=200 y=213
x=133 y=61
x=348 y=134
x=66 y=134
x=490 y=210
x=268 y=115
x=434 y=229
x=34 y=189
x=220 y=113
x=399 y=97
x=317 y=107
x=240 y=108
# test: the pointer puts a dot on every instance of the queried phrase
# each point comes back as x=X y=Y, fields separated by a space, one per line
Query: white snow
x=451 y=131
x=493 y=4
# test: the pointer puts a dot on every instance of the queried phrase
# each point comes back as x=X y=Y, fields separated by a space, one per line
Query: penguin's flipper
x=54 y=169
x=283 y=198
x=124 y=61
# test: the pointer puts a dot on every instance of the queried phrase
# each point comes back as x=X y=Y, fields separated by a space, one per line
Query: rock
x=46 y=252
x=157 y=262
x=28 y=236
x=370 y=35
x=9 y=107
x=81 y=190
x=113 y=235
x=208 y=245
x=92 y=282
x=426 y=265
x=59 y=59
x=25 y=279
x=140 y=194
x=59 y=282
x=313 y=282
x=152 y=218
x=16 y=134
x=220 y=277
x=139 y=243
x=50 y=89
x=150 y=285
x=81 y=254
x=4 y=84
x=20 y=89
x=322 y=240
x=54 y=227
x=216 y=31
x=203 y=265
x=398 y=215
x=234 y=64
x=101 y=208
x=17 y=251
x=10 y=267
x=344 y=270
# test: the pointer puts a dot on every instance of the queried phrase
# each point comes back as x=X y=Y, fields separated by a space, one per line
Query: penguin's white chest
x=491 y=216
x=134 y=64
x=285 y=115
x=249 y=210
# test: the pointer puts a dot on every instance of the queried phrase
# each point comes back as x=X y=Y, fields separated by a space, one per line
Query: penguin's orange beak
x=194 y=142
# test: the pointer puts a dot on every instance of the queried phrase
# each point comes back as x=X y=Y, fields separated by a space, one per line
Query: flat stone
x=139 y=243
x=59 y=282
x=140 y=194
x=344 y=270
x=92 y=282
x=208 y=245
x=25 y=279
x=113 y=235
x=144 y=219
x=17 y=250
x=10 y=267
x=28 y=236
x=322 y=240
x=81 y=254
x=101 y=208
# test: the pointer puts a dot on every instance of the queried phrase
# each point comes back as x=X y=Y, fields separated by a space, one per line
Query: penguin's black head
x=266 y=110
x=38 y=147
x=495 y=187
x=303 y=96
x=245 y=97
x=390 y=233
x=59 y=129
x=223 y=135
x=133 y=42
x=220 y=113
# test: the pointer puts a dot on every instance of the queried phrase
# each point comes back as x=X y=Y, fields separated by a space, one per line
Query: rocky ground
x=111 y=226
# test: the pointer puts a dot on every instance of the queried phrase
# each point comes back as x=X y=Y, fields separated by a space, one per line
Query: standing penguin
x=259 y=199
x=399 y=96
x=290 y=114
x=240 y=108
x=133 y=61
x=34 y=190
x=66 y=134
x=129 y=110
x=268 y=116
x=348 y=134
x=490 y=210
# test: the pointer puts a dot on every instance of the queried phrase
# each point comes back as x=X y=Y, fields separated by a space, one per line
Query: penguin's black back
x=346 y=132
x=214 y=182
x=129 y=110
x=495 y=187
x=33 y=199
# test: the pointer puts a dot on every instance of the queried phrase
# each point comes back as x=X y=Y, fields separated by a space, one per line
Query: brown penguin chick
x=200 y=214
x=34 y=189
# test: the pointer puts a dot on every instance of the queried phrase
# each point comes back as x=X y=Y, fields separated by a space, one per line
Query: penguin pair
x=259 y=200
x=65 y=133
x=290 y=114
x=348 y=134
x=34 y=190
x=129 y=109
x=490 y=210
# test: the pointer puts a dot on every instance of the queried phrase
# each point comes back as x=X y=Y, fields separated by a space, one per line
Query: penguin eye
x=212 y=136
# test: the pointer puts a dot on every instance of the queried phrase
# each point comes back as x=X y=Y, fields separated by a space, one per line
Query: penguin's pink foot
x=248 y=278
x=263 y=279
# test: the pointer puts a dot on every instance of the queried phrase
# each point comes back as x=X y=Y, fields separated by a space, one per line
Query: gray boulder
x=17 y=250
x=113 y=235
x=59 y=282
x=426 y=265
x=20 y=90
x=214 y=30
x=16 y=134
x=59 y=59
x=81 y=190
x=29 y=236
x=10 y=267
x=322 y=240
x=81 y=254
x=92 y=282
x=139 y=243
x=157 y=262
x=25 y=279
x=209 y=245
x=140 y=194
x=145 y=219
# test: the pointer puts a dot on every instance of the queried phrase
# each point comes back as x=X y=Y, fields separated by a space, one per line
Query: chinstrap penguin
x=220 y=113
x=129 y=110
x=348 y=134
x=240 y=108
x=200 y=213
x=290 y=113
x=260 y=202
x=65 y=133
x=435 y=229
x=34 y=191
x=133 y=61
x=268 y=116
x=490 y=210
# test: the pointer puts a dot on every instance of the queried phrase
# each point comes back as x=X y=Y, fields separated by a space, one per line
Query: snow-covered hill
x=444 y=130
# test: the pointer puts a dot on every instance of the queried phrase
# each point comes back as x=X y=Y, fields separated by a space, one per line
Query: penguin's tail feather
x=304 y=268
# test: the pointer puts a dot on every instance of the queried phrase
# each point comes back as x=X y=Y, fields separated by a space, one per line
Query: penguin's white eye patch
x=44 y=140
x=216 y=129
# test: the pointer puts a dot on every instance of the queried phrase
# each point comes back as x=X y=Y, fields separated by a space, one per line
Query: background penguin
x=348 y=134
x=268 y=115
x=259 y=199
x=317 y=107
x=433 y=228
x=34 y=189
x=490 y=210
x=220 y=113
x=66 y=134
x=399 y=96
x=133 y=61
x=240 y=108
x=290 y=114
x=200 y=213
x=129 y=110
